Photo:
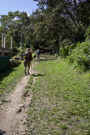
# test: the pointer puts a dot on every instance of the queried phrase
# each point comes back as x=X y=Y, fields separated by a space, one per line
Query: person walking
x=27 y=61
x=37 y=54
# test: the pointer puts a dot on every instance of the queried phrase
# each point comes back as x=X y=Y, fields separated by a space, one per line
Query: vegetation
x=79 y=53
x=9 y=79
x=81 y=56
x=60 y=101
x=53 y=22
x=56 y=25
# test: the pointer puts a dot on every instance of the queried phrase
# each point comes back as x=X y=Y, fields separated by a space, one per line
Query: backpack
x=26 y=56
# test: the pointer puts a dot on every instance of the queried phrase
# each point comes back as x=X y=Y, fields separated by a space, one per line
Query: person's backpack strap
x=26 y=55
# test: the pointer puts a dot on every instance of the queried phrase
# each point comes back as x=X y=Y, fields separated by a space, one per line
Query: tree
x=12 y=24
x=63 y=18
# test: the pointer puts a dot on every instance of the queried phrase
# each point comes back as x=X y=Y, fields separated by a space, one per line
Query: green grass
x=61 y=100
x=9 y=79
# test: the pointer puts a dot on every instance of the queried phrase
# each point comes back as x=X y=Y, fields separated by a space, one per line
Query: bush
x=81 y=55
x=19 y=52
x=15 y=51
x=14 y=63
x=66 y=49
x=87 y=35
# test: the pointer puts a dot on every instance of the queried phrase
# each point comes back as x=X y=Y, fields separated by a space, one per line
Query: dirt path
x=13 y=115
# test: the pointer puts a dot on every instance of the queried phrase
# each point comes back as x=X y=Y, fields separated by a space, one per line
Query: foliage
x=12 y=25
x=65 y=47
x=87 y=34
x=64 y=50
x=60 y=101
x=15 y=51
x=52 y=20
x=81 y=55
x=14 y=63
x=19 y=52
x=64 y=18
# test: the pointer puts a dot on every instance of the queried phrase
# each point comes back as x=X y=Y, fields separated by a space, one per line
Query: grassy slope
x=9 y=79
x=60 y=102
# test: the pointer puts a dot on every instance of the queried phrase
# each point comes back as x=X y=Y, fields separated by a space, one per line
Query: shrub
x=19 y=52
x=64 y=50
x=14 y=63
x=66 y=47
x=87 y=34
x=81 y=55
x=15 y=51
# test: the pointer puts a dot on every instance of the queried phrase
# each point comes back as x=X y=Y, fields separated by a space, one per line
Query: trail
x=13 y=114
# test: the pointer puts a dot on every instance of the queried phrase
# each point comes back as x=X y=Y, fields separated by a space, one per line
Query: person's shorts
x=26 y=62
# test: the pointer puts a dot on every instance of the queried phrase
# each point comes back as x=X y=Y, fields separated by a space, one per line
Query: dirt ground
x=13 y=114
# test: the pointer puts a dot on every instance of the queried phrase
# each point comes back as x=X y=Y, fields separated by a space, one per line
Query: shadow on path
x=36 y=75
x=2 y=132
x=46 y=59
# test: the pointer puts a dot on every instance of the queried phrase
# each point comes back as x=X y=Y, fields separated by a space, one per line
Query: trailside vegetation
x=78 y=53
x=55 y=25
x=60 y=102
x=53 y=22
x=9 y=79
x=80 y=56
